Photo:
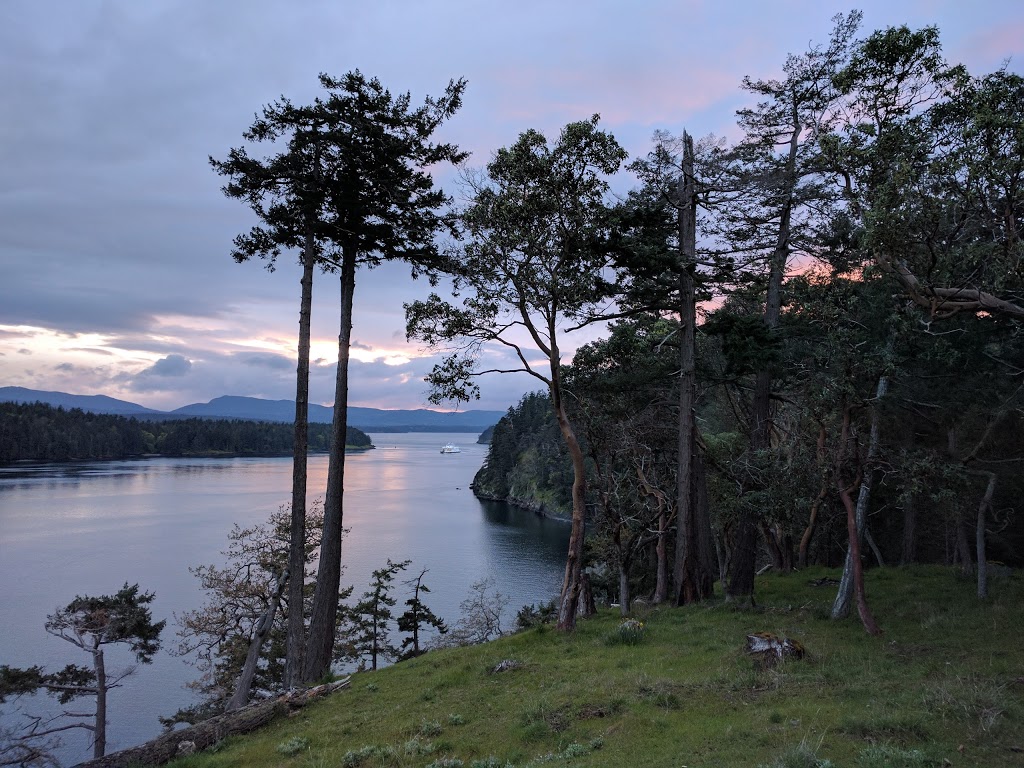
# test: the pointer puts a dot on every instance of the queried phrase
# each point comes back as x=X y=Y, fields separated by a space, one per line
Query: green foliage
x=889 y=756
x=123 y=618
x=293 y=746
x=17 y=682
x=371 y=617
x=352 y=174
x=537 y=615
x=629 y=632
x=417 y=618
x=40 y=432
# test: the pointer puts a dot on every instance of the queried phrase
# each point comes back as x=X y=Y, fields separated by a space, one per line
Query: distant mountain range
x=256 y=409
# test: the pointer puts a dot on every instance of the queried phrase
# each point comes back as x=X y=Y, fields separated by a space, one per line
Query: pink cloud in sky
x=987 y=49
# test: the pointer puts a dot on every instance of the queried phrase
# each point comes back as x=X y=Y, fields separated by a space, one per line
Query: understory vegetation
x=945 y=683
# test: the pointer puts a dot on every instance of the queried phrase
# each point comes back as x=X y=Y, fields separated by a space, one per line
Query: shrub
x=629 y=632
x=537 y=615
x=293 y=746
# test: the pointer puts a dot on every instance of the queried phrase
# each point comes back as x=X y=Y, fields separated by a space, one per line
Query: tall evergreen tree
x=288 y=192
x=383 y=206
x=351 y=188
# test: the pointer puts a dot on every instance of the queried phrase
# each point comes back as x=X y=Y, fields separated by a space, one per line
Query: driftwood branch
x=203 y=735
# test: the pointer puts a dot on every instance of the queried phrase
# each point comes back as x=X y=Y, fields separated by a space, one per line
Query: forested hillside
x=526 y=462
x=813 y=349
x=38 y=432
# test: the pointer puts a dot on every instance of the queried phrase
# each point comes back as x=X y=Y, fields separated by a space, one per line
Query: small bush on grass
x=293 y=746
x=629 y=632
x=430 y=728
x=801 y=756
x=447 y=762
x=888 y=756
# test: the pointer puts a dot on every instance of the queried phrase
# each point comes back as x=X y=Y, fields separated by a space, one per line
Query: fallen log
x=200 y=736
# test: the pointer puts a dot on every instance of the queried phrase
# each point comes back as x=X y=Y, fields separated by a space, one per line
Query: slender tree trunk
x=661 y=557
x=693 y=581
x=812 y=522
x=587 y=605
x=622 y=556
x=99 y=734
x=568 y=602
x=742 y=560
x=962 y=553
x=704 y=536
x=297 y=544
x=244 y=686
x=874 y=547
x=661 y=543
x=983 y=507
x=908 y=553
x=777 y=548
x=856 y=578
x=324 y=614
x=624 y=589
x=841 y=606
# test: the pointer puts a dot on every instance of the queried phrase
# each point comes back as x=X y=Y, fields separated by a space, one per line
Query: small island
x=40 y=432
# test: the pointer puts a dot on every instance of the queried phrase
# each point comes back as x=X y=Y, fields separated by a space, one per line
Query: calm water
x=88 y=528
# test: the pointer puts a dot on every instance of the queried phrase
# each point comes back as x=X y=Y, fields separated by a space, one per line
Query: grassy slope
x=945 y=682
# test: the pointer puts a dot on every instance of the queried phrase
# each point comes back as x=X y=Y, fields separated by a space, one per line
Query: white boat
x=449 y=448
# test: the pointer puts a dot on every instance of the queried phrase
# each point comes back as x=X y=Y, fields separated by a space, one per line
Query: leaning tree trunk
x=661 y=543
x=856 y=569
x=693 y=580
x=812 y=522
x=203 y=735
x=324 y=613
x=841 y=606
x=260 y=633
x=297 y=543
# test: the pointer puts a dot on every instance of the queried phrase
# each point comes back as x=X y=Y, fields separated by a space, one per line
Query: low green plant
x=800 y=756
x=629 y=632
x=430 y=728
x=293 y=746
x=889 y=756
x=446 y=762
x=415 y=747
x=490 y=762
x=356 y=757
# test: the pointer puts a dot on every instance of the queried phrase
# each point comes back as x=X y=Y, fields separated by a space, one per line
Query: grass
x=943 y=686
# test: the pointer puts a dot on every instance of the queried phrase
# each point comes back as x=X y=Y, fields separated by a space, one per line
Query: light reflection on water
x=87 y=528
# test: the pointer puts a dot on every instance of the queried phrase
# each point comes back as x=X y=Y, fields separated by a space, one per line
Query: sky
x=115 y=269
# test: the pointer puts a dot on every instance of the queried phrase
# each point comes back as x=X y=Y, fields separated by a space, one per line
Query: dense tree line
x=40 y=432
x=815 y=349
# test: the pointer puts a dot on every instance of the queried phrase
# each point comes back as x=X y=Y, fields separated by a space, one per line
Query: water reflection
x=87 y=528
